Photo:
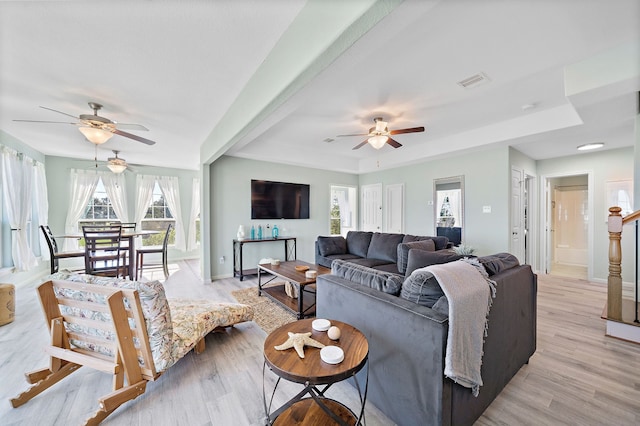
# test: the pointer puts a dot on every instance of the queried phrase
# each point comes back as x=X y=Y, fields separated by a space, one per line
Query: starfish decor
x=298 y=341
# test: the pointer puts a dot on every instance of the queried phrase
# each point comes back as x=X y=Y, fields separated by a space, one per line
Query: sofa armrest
x=402 y=384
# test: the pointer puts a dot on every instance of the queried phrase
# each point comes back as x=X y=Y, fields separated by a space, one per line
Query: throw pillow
x=498 y=262
x=332 y=245
x=421 y=287
x=384 y=246
x=403 y=251
x=358 y=242
x=420 y=258
x=363 y=275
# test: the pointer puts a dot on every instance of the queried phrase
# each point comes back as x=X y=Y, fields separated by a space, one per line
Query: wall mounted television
x=279 y=200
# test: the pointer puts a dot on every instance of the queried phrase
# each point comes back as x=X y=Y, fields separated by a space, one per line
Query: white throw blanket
x=469 y=292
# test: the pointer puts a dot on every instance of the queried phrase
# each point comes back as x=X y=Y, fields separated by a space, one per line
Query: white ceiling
x=178 y=67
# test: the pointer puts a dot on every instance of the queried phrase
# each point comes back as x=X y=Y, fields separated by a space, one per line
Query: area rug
x=267 y=314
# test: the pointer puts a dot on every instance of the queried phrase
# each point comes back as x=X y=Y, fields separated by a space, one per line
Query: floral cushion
x=194 y=319
x=155 y=310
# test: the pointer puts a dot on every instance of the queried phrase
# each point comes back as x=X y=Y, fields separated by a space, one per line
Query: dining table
x=129 y=236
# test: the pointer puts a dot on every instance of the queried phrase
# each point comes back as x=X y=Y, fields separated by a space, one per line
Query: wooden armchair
x=120 y=327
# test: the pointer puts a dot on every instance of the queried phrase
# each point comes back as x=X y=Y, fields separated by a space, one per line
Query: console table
x=290 y=253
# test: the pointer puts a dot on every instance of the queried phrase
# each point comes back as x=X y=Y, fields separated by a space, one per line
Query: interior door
x=394 y=208
x=371 y=207
x=548 y=224
x=517 y=234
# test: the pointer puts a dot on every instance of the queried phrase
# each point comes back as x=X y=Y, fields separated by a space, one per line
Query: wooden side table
x=316 y=376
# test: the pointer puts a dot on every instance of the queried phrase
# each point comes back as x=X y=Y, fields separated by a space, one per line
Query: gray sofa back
x=407 y=345
x=379 y=250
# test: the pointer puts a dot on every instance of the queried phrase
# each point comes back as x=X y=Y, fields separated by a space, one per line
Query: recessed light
x=590 y=146
x=527 y=107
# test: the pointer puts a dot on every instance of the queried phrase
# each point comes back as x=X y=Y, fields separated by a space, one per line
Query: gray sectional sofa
x=381 y=251
x=407 y=335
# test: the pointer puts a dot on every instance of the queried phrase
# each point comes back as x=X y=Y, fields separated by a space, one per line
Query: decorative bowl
x=301 y=268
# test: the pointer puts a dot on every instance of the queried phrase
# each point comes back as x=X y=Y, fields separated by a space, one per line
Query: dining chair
x=104 y=253
x=54 y=254
x=153 y=250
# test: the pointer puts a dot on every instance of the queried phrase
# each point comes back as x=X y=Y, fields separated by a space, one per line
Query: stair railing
x=614 y=281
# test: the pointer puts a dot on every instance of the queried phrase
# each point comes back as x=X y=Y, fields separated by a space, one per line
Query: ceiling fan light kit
x=116 y=164
x=378 y=141
x=94 y=135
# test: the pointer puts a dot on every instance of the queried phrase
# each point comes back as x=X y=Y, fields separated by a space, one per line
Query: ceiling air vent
x=475 y=80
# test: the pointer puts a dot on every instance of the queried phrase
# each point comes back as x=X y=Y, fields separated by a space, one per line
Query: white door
x=394 y=208
x=372 y=207
x=517 y=237
x=548 y=222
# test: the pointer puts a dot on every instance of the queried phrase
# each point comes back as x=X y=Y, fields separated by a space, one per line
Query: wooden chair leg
x=109 y=403
x=44 y=384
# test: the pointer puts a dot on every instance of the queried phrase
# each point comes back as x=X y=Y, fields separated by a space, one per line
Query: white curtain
x=192 y=242
x=83 y=185
x=171 y=191
x=41 y=206
x=17 y=179
x=145 y=184
x=116 y=191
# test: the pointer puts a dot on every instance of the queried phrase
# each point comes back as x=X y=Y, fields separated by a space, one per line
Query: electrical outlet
x=221 y=259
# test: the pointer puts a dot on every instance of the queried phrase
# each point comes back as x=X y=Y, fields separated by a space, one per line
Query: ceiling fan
x=380 y=135
x=98 y=129
x=117 y=164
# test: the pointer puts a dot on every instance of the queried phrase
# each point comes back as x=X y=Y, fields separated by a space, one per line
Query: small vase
x=240 y=233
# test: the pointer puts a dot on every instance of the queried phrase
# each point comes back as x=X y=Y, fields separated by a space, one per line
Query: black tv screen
x=279 y=200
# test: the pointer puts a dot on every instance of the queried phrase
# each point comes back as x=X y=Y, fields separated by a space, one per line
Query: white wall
x=604 y=166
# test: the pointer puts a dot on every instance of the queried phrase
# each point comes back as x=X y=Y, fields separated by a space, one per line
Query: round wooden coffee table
x=313 y=372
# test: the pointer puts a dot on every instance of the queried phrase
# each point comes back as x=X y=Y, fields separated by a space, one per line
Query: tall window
x=99 y=208
x=157 y=218
x=343 y=210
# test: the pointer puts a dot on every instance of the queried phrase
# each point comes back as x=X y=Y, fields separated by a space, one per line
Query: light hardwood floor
x=577 y=376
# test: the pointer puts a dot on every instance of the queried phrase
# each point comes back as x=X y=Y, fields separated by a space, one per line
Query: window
x=99 y=208
x=157 y=218
x=343 y=210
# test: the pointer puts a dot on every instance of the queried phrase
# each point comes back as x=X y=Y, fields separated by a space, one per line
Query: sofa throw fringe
x=470 y=293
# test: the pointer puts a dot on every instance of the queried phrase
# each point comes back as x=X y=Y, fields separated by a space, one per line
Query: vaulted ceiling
x=273 y=80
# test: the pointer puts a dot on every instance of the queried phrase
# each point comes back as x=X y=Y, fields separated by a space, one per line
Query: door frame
x=545 y=252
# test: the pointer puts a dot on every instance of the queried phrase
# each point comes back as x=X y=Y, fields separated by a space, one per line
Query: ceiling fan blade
x=134 y=137
x=409 y=130
x=361 y=144
x=394 y=143
x=355 y=134
x=40 y=121
x=130 y=126
x=59 y=112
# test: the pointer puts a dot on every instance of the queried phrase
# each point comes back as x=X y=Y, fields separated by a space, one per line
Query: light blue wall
x=231 y=206
x=486 y=180
x=58 y=172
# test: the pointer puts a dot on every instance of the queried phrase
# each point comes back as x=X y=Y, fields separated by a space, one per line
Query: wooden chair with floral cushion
x=128 y=329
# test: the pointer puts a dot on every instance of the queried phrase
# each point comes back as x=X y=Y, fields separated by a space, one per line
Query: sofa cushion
x=384 y=246
x=332 y=245
x=363 y=275
x=358 y=242
x=371 y=263
x=420 y=258
x=441 y=242
x=499 y=262
x=403 y=251
x=421 y=287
